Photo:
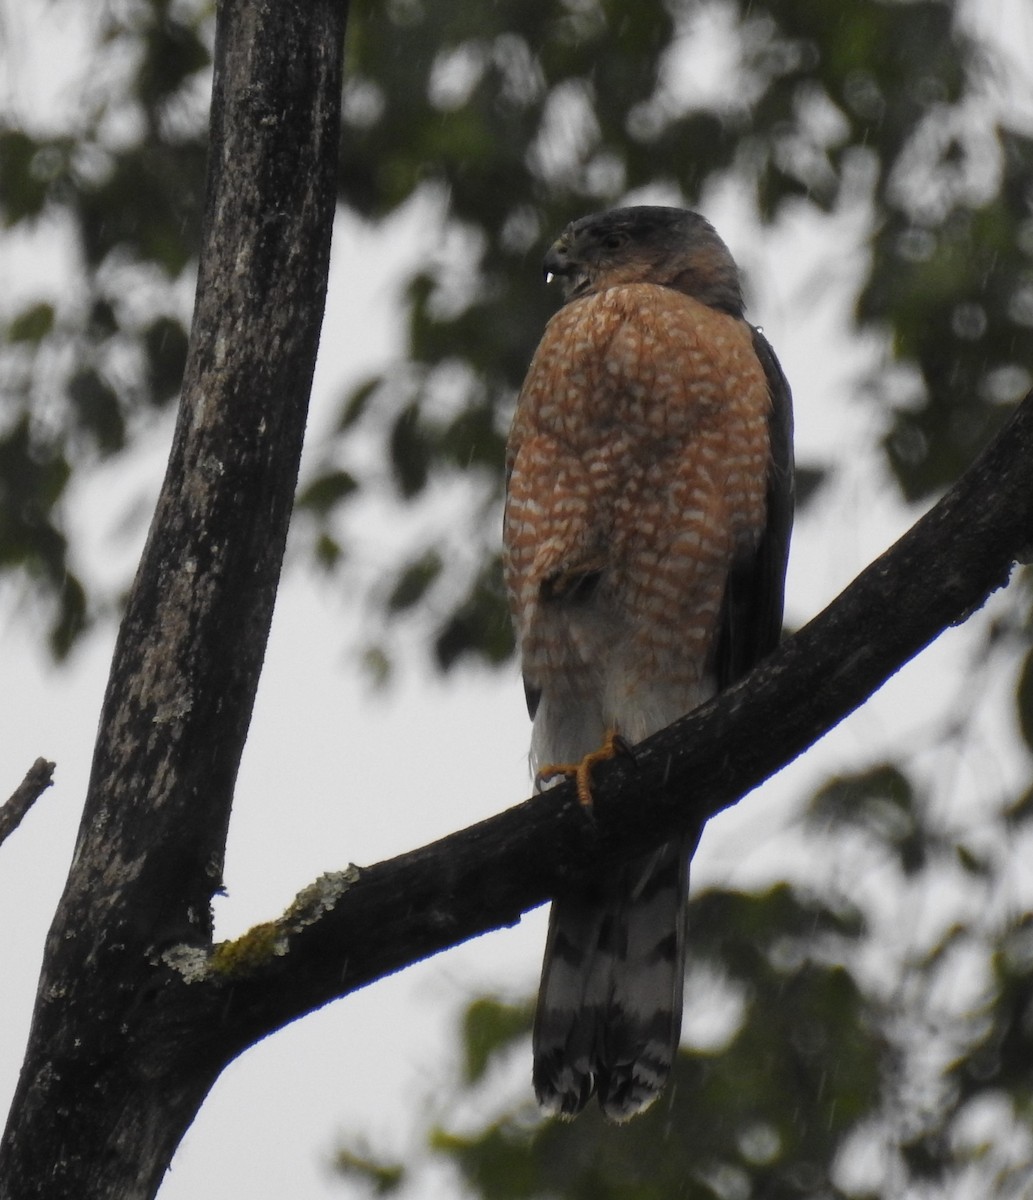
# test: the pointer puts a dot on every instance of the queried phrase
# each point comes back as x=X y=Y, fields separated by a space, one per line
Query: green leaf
x=975 y=864
x=499 y=1164
x=410 y=452
x=739 y=930
x=357 y=402
x=23 y=190
x=32 y=324
x=489 y=1029
x=473 y=440
x=147 y=207
x=172 y=52
x=1021 y=810
x=855 y=799
x=381 y=1178
x=97 y=409
x=326 y=491
x=103 y=320
x=377 y=664
x=70 y=619
x=480 y=625
x=1000 y=1058
x=413 y=582
x=165 y=343
x=882 y=802
x=33 y=477
x=328 y=551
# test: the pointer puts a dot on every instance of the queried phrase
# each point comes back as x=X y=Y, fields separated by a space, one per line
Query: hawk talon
x=613 y=744
x=624 y=748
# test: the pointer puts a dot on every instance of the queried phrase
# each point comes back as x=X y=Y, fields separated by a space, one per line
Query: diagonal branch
x=37 y=779
x=350 y=929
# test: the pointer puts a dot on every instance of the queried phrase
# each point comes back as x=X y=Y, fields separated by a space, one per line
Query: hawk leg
x=613 y=744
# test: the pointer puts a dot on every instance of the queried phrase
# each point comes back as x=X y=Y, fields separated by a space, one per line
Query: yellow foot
x=613 y=744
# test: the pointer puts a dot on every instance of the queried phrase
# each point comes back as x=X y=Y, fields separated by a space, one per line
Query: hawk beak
x=555 y=263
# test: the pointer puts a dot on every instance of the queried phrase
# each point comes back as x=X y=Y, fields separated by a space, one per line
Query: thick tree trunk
x=111 y=1078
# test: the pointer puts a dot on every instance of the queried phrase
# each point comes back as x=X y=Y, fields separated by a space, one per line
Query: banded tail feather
x=610 y=1004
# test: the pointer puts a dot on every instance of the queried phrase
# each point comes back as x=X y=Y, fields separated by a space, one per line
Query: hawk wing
x=751 y=615
x=610 y=1004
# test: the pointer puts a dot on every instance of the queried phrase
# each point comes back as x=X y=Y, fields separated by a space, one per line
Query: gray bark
x=111 y=1078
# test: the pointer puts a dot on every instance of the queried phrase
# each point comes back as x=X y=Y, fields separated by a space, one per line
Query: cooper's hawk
x=647 y=526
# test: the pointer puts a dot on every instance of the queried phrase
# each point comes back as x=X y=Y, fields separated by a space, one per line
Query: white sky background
x=335 y=774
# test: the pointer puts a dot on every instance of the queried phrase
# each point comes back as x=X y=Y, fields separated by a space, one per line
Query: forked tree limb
x=349 y=930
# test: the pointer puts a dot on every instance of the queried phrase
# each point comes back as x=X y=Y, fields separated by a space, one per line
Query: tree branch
x=348 y=930
x=39 y=777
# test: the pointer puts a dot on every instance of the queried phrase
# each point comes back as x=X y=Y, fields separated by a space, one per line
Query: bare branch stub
x=37 y=779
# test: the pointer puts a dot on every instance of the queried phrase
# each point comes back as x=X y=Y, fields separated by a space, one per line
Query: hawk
x=648 y=511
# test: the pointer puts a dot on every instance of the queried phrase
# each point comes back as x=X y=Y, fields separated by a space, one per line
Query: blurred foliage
x=82 y=368
x=381 y=1179
x=847 y=1066
x=763 y=1113
x=509 y=119
x=829 y=1050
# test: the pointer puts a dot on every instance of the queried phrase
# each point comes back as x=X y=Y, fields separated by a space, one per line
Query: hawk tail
x=610 y=1003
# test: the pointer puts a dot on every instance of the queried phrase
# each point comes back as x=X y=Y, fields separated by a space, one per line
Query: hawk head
x=673 y=247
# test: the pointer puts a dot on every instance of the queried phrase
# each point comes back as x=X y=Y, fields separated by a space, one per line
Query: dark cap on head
x=673 y=247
